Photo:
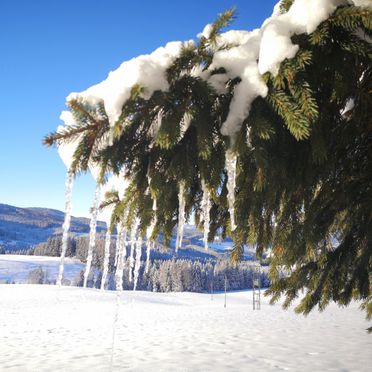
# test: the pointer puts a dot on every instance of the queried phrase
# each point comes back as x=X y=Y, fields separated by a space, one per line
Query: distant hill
x=22 y=228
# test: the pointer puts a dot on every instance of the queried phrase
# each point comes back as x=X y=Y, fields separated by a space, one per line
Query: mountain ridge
x=22 y=228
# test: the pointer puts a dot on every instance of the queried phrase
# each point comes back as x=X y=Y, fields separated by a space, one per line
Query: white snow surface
x=50 y=328
x=14 y=267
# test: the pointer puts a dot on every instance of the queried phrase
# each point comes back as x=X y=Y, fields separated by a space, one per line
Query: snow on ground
x=49 y=328
x=15 y=268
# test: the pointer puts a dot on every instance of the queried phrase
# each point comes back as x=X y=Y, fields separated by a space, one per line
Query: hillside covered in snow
x=21 y=228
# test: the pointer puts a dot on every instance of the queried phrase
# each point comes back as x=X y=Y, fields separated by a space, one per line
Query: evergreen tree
x=304 y=158
x=36 y=276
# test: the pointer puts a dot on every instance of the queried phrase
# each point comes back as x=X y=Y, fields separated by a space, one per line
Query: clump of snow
x=263 y=50
x=303 y=17
x=206 y=31
x=276 y=9
x=276 y=46
x=241 y=61
x=146 y=70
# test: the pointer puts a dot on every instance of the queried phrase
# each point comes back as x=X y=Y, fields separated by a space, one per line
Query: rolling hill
x=22 y=228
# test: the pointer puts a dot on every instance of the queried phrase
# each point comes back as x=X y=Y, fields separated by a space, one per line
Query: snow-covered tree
x=274 y=124
x=36 y=276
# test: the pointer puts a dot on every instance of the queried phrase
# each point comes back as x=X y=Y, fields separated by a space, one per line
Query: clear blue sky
x=50 y=48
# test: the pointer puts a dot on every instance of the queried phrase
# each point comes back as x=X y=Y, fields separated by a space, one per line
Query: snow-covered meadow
x=51 y=328
x=15 y=268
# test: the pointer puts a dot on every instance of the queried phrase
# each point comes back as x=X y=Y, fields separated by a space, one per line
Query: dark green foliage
x=90 y=130
x=52 y=247
x=321 y=202
x=304 y=185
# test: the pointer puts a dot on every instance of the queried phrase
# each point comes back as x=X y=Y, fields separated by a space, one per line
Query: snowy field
x=15 y=268
x=49 y=328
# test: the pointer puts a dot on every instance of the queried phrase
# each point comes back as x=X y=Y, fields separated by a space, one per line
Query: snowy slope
x=15 y=268
x=49 y=328
x=22 y=228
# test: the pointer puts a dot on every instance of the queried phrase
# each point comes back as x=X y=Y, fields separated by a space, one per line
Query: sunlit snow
x=49 y=328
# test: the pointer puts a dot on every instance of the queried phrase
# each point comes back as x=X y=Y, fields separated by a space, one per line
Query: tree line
x=173 y=275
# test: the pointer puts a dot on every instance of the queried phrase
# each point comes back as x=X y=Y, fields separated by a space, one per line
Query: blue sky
x=51 y=48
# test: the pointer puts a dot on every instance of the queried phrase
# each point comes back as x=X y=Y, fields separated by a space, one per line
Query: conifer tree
x=304 y=157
